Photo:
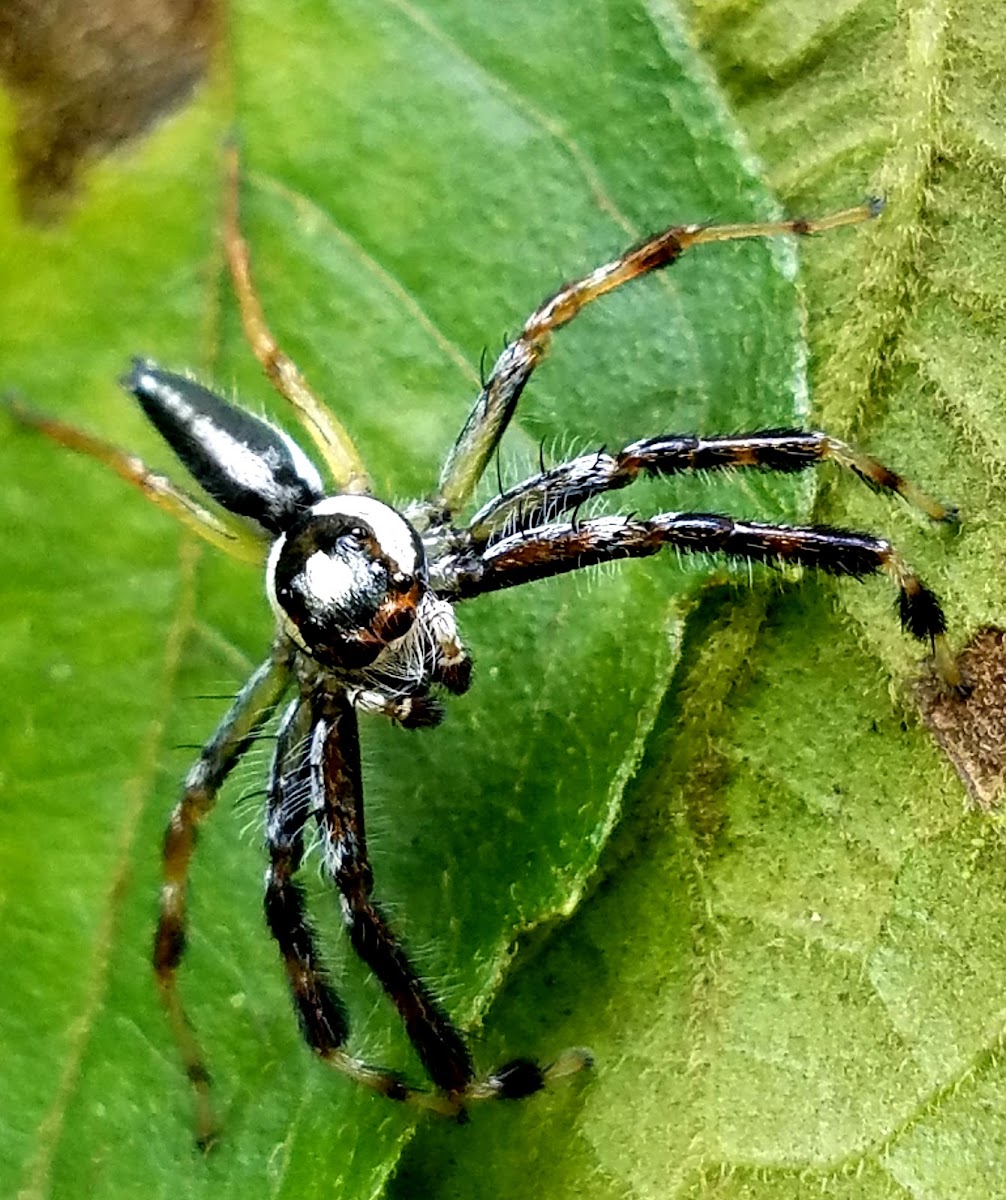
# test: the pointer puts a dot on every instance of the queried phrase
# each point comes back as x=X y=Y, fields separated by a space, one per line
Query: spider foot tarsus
x=881 y=478
x=515 y=1080
x=523 y=1076
x=922 y=616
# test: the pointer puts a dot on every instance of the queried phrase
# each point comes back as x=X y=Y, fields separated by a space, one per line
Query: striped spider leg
x=363 y=599
x=511 y=540
x=557 y=548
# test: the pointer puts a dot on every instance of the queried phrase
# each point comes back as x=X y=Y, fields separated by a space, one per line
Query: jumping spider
x=364 y=599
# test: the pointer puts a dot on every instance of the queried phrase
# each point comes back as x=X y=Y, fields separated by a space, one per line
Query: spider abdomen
x=246 y=464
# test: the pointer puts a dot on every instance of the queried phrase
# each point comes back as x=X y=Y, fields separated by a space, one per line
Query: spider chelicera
x=364 y=596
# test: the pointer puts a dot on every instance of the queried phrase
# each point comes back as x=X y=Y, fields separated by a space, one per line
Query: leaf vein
x=139 y=790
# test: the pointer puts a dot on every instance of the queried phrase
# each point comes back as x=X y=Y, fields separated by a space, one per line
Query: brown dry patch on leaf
x=972 y=732
x=89 y=74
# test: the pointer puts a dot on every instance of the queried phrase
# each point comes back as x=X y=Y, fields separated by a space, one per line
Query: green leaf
x=416 y=181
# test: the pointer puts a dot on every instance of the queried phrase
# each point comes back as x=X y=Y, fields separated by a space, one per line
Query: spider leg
x=497 y=401
x=336 y=780
x=238 y=541
x=332 y=440
x=559 y=548
x=562 y=488
x=323 y=1020
x=333 y=764
x=250 y=709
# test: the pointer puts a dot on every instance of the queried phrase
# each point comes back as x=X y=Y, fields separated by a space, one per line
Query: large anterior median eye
x=346 y=578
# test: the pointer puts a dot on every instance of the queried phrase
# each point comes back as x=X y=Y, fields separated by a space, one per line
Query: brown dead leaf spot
x=972 y=731
x=87 y=75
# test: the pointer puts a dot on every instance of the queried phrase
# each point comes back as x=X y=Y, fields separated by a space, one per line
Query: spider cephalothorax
x=349 y=585
x=364 y=600
x=346 y=579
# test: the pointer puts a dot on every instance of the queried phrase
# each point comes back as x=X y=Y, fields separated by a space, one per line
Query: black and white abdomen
x=249 y=466
x=346 y=580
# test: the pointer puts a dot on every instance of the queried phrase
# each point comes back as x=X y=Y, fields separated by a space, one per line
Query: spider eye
x=345 y=580
x=354 y=537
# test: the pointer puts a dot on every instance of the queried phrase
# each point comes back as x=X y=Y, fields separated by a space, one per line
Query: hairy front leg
x=557 y=549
